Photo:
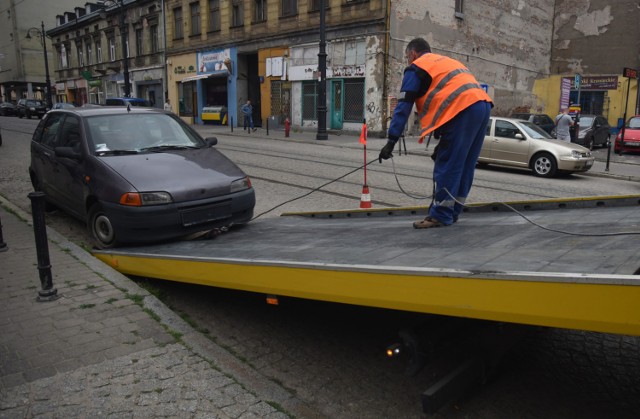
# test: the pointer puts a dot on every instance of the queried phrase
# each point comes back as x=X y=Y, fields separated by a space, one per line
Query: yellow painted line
x=601 y=307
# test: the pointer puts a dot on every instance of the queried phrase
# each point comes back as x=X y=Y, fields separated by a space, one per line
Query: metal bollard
x=267 y=125
x=3 y=245
x=47 y=293
x=231 y=123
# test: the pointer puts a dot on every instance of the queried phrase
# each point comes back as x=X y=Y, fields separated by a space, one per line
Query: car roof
x=107 y=110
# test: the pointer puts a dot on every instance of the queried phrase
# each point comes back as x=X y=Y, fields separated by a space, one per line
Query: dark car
x=124 y=101
x=544 y=121
x=31 y=107
x=136 y=175
x=8 y=109
x=593 y=131
x=631 y=136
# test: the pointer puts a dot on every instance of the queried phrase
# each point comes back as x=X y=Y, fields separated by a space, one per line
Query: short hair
x=419 y=45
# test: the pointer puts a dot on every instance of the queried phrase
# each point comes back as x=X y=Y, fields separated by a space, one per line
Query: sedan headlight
x=32 y=109
x=240 y=184
x=138 y=199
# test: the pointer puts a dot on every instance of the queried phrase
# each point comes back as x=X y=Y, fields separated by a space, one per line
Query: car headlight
x=576 y=154
x=138 y=199
x=240 y=184
x=32 y=109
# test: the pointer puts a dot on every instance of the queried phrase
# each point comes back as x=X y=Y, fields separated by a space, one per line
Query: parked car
x=136 y=175
x=31 y=107
x=124 y=101
x=8 y=109
x=593 y=130
x=631 y=136
x=64 y=105
x=542 y=120
x=517 y=143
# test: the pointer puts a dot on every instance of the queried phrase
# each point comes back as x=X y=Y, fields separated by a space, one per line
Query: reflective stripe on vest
x=446 y=74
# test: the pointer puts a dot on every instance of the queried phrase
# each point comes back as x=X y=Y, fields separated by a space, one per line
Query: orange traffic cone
x=365 y=201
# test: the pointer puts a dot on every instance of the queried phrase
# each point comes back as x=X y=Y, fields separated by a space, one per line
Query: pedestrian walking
x=563 y=124
x=167 y=106
x=453 y=106
x=247 y=111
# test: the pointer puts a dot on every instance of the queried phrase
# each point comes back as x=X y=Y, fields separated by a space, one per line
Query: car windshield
x=114 y=134
x=634 y=123
x=534 y=131
x=586 y=121
x=34 y=103
x=141 y=103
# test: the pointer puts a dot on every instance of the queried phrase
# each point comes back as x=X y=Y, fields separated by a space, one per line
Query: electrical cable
x=314 y=189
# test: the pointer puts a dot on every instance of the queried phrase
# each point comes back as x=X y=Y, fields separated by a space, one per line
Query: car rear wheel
x=100 y=228
x=544 y=165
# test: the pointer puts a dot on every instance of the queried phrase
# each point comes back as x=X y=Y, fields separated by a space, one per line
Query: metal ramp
x=492 y=264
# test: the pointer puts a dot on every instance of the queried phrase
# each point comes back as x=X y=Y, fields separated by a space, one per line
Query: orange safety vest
x=453 y=88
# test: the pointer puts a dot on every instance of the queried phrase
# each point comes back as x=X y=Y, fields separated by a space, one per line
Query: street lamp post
x=43 y=40
x=125 y=49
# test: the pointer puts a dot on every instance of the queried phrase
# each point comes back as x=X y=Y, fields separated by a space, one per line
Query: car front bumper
x=571 y=164
x=158 y=223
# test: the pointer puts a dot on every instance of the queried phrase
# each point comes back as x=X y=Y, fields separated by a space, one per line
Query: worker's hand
x=386 y=152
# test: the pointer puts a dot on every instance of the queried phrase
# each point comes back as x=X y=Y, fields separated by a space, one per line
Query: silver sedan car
x=516 y=143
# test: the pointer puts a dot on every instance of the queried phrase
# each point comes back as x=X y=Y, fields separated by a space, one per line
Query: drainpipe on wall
x=385 y=94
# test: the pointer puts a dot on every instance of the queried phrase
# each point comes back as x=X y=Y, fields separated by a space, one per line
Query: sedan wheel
x=100 y=228
x=544 y=165
x=589 y=143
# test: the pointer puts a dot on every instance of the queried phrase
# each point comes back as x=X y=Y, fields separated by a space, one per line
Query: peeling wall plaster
x=594 y=23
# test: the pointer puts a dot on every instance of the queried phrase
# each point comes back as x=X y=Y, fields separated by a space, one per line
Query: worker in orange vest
x=451 y=104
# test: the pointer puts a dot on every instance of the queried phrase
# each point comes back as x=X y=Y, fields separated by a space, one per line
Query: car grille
x=205 y=214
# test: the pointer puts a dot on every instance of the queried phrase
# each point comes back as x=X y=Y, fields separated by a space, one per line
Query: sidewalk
x=625 y=167
x=107 y=348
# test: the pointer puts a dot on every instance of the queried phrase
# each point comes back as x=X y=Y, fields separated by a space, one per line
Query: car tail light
x=138 y=199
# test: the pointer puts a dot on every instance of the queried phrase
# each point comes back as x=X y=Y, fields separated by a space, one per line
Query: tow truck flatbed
x=493 y=264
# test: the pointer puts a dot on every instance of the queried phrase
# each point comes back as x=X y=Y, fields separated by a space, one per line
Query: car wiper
x=115 y=152
x=161 y=148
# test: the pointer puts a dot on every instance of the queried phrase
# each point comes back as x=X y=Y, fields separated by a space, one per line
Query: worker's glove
x=386 y=152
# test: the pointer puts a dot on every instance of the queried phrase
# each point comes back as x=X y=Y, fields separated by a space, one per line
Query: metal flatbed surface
x=493 y=264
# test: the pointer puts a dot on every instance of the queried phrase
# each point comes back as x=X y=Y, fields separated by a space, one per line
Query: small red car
x=631 y=136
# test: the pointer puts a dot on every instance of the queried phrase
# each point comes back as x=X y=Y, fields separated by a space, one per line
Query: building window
x=309 y=100
x=459 y=9
x=80 y=55
x=236 y=13
x=314 y=5
x=260 y=10
x=195 y=18
x=89 y=52
x=64 y=59
x=289 y=7
x=112 y=48
x=154 y=38
x=139 y=42
x=186 y=97
x=98 y=52
x=177 y=23
x=214 y=15
x=304 y=55
x=353 y=100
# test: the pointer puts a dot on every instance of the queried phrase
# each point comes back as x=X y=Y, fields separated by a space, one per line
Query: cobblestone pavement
x=107 y=348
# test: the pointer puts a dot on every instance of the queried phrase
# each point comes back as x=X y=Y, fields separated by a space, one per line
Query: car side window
x=70 y=133
x=50 y=130
x=489 y=128
x=506 y=129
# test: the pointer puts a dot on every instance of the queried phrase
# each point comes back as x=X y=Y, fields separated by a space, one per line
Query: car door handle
x=46 y=153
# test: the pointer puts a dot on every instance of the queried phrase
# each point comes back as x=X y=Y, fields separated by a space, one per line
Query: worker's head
x=248 y=102
x=416 y=48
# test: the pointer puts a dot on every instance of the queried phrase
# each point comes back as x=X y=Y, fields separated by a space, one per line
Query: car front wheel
x=544 y=165
x=100 y=228
x=588 y=142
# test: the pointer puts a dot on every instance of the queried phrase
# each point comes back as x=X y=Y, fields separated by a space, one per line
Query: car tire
x=589 y=143
x=100 y=228
x=28 y=115
x=20 y=115
x=544 y=165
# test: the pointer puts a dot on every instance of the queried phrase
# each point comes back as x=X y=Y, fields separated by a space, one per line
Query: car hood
x=565 y=144
x=186 y=174
x=631 y=134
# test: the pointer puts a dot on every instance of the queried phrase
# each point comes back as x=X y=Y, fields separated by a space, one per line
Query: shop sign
x=348 y=71
x=95 y=83
x=595 y=82
x=212 y=62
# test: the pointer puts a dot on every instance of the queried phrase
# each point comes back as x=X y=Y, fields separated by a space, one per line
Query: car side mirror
x=519 y=136
x=68 y=152
x=211 y=141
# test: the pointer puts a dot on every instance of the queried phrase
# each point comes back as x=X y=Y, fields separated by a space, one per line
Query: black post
x=231 y=124
x=47 y=293
x=125 y=50
x=46 y=69
x=267 y=125
x=606 y=169
x=624 y=118
x=3 y=245
x=322 y=66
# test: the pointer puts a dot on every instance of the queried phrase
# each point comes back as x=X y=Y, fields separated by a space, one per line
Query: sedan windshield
x=534 y=131
x=139 y=133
